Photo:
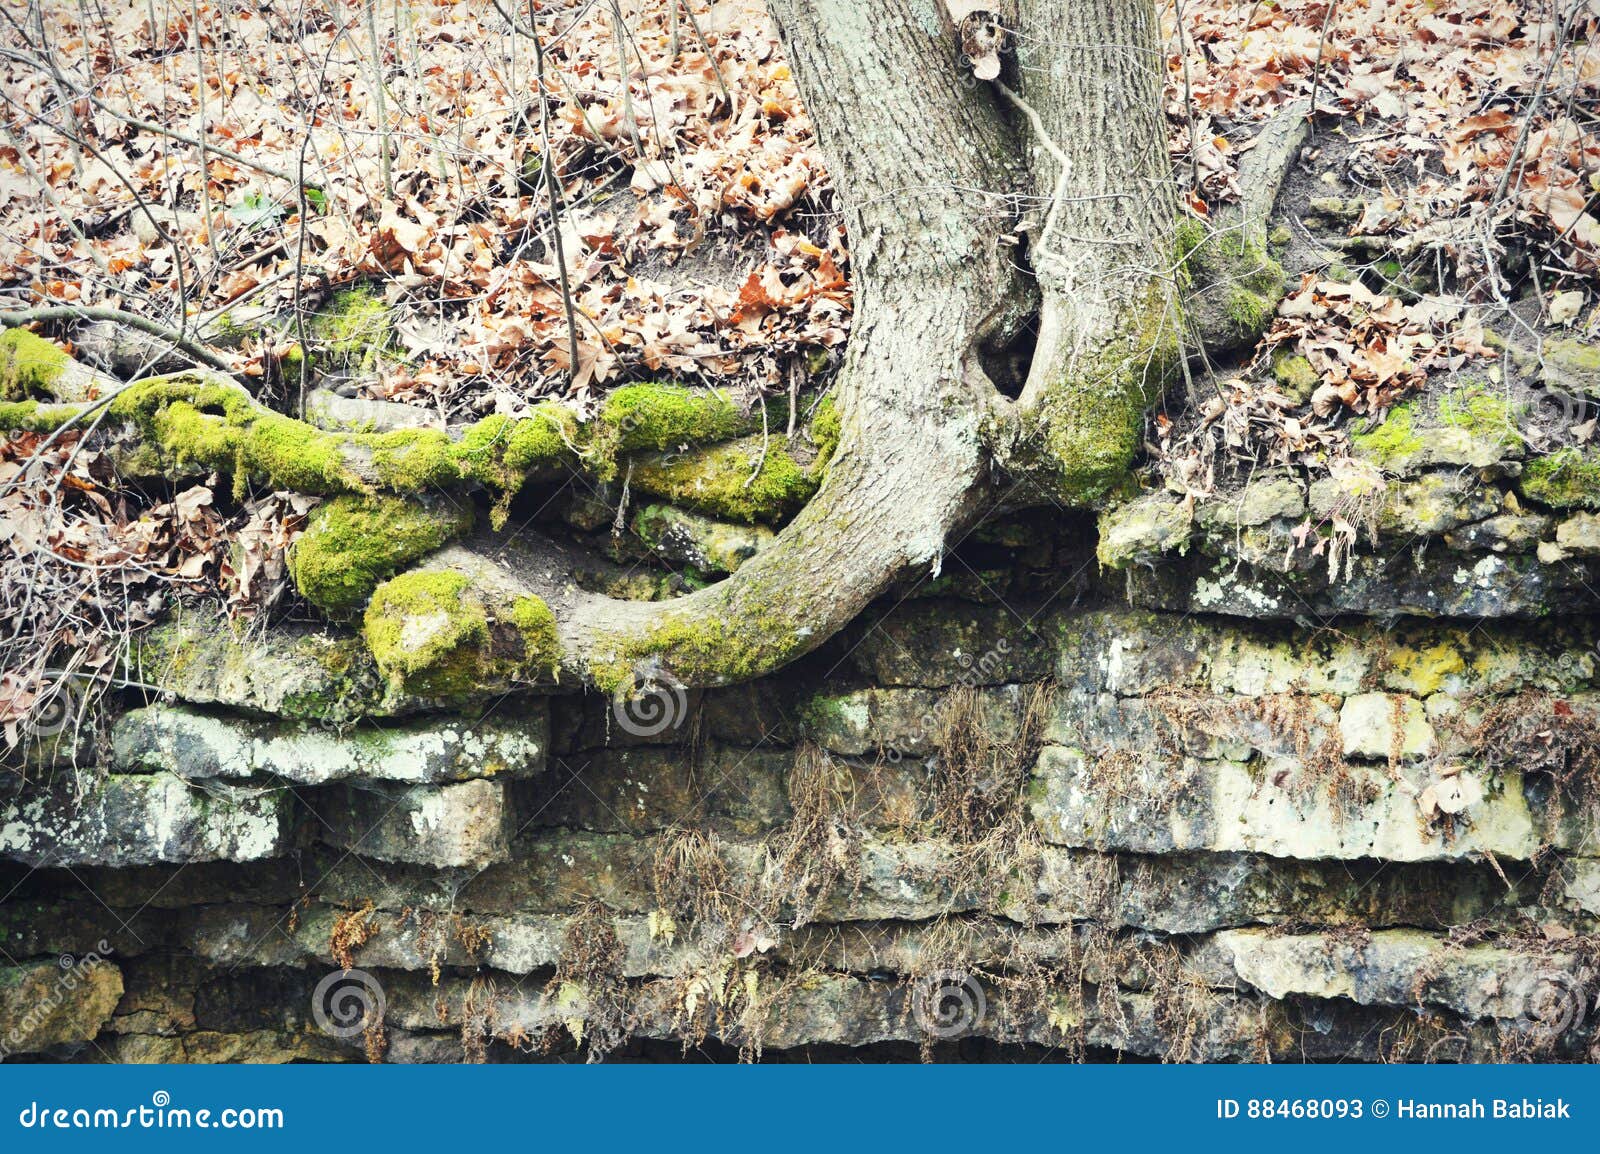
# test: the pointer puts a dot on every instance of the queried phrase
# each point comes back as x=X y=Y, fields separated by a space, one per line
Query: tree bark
x=1089 y=76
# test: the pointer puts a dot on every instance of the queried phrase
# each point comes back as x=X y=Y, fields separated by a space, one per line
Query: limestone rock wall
x=1040 y=806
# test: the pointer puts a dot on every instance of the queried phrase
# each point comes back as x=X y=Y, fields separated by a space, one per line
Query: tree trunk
x=930 y=169
x=1089 y=87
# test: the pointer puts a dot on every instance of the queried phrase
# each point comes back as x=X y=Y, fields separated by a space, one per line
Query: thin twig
x=548 y=164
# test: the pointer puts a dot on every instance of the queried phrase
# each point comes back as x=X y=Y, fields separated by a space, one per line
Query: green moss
x=351 y=544
x=429 y=633
x=662 y=417
x=1090 y=425
x=1575 y=359
x=1249 y=312
x=1294 y=374
x=1188 y=238
x=29 y=365
x=1486 y=415
x=1565 y=480
x=411 y=460
x=1390 y=444
x=826 y=427
x=501 y=452
x=32 y=417
x=737 y=645
x=1237 y=265
x=718 y=481
x=354 y=328
x=541 y=644
x=432 y=634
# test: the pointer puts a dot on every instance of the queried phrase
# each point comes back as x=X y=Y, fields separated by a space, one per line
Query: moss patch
x=826 y=428
x=1565 y=480
x=718 y=481
x=1089 y=426
x=29 y=365
x=541 y=645
x=1484 y=414
x=429 y=633
x=732 y=647
x=432 y=634
x=1294 y=374
x=351 y=544
x=661 y=417
x=354 y=329
x=1392 y=442
x=1237 y=266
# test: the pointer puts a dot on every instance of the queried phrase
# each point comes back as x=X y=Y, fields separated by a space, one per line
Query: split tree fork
x=1003 y=170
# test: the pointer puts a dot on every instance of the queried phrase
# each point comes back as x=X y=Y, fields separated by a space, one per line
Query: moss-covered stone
x=734 y=481
x=351 y=544
x=1294 y=374
x=29 y=365
x=1471 y=426
x=429 y=633
x=708 y=546
x=1564 y=480
x=1574 y=361
x=433 y=633
x=1389 y=443
x=1139 y=532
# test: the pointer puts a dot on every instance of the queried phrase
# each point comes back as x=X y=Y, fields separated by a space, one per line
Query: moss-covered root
x=351 y=544
x=728 y=642
x=749 y=480
x=1081 y=435
x=194 y=420
x=33 y=368
x=29 y=365
x=1234 y=284
x=435 y=633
